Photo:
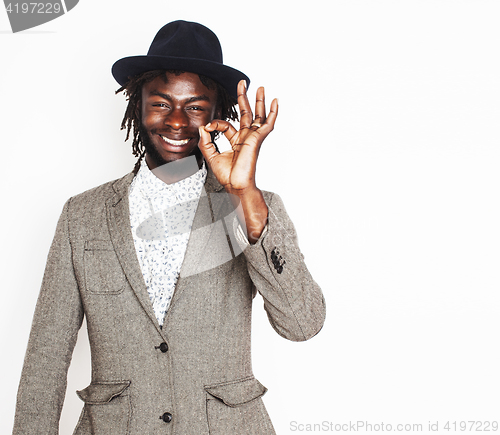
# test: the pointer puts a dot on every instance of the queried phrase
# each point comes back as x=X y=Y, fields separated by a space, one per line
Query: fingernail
x=208 y=125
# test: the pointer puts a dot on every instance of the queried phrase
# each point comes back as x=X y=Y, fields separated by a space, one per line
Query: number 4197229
x=33 y=8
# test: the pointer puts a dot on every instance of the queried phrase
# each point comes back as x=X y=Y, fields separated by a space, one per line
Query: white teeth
x=175 y=142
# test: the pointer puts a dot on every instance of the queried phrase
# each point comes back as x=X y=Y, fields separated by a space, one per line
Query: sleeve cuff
x=241 y=236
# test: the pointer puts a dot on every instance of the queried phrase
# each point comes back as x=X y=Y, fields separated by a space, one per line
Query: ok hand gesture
x=235 y=169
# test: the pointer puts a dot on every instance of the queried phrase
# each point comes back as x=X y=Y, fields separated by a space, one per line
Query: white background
x=386 y=153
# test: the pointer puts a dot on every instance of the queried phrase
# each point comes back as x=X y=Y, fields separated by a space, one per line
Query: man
x=164 y=262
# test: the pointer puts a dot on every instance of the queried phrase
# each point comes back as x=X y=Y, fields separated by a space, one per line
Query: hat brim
x=228 y=77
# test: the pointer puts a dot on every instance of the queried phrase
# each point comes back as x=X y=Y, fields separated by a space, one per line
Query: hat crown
x=184 y=39
x=183 y=46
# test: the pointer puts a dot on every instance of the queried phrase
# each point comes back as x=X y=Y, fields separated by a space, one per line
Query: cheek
x=200 y=120
x=203 y=121
x=210 y=116
x=150 y=119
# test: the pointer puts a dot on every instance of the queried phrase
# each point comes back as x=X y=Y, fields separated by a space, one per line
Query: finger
x=260 y=107
x=223 y=126
x=255 y=139
x=273 y=114
x=246 y=116
x=206 y=145
x=268 y=126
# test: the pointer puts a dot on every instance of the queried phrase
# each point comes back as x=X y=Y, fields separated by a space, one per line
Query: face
x=171 y=115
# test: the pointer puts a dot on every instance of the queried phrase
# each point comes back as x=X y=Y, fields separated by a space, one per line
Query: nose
x=177 y=119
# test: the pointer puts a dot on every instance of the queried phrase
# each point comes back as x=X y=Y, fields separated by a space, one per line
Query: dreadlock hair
x=132 y=118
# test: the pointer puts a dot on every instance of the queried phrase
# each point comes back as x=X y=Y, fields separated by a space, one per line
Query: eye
x=194 y=108
x=160 y=105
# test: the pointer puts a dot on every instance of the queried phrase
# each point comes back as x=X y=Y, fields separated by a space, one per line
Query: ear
x=137 y=109
x=138 y=105
x=218 y=112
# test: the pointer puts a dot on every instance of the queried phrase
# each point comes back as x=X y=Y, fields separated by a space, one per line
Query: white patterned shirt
x=161 y=217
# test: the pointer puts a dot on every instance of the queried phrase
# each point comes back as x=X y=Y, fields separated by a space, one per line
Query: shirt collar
x=151 y=186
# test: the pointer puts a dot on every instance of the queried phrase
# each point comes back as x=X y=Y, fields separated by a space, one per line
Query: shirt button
x=167 y=417
x=164 y=347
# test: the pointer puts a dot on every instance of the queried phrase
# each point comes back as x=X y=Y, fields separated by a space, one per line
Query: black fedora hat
x=185 y=46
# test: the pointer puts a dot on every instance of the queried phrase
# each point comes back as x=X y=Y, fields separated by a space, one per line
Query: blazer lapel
x=118 y=215
x=208 y=244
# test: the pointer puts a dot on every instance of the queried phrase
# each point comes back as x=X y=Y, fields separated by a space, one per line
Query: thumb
x=206 y=146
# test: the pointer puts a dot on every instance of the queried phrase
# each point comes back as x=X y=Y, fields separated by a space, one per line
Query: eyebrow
x=201 y=97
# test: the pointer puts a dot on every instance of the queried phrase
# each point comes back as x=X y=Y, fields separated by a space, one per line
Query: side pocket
x=103 y=272
x=107 y=407
x=236 y=407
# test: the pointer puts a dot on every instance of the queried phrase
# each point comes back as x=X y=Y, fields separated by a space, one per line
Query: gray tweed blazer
x=194 y=375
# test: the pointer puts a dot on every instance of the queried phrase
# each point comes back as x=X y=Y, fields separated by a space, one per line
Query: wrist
x=252 y=211
x=247 y=192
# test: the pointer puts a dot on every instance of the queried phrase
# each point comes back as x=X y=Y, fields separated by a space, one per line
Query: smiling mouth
x=176 y=143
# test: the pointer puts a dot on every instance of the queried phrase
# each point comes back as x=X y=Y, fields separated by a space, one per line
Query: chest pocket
x=103 y=273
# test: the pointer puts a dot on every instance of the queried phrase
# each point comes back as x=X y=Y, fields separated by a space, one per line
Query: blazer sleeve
x=293 y=301
x=57 y=319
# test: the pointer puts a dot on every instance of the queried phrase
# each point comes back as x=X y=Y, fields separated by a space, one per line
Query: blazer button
x=163 y=347
x=167 y=417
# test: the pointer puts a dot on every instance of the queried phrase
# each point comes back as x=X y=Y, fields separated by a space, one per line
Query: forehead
x=179 y=87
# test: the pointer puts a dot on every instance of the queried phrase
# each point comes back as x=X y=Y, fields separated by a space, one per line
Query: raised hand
x=235 y=169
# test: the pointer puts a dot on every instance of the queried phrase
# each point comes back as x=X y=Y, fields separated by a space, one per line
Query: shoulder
x=272 y=199
x=97 y=197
